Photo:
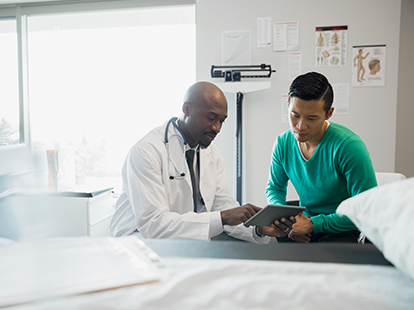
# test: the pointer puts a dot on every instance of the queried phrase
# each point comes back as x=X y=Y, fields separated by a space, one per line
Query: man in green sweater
x=326 y=163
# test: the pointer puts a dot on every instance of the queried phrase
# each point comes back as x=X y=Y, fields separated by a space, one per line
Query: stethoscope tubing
x=173 y=120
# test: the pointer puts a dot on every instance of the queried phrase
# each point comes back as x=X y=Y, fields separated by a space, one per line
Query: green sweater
x=339 y=168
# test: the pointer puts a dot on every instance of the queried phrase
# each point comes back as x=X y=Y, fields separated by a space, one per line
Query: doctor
x=158 y=199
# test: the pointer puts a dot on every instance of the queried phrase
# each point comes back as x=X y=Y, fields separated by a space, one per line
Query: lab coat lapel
x=205 y=162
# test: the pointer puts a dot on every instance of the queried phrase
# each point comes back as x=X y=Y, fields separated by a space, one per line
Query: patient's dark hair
x=312 y=86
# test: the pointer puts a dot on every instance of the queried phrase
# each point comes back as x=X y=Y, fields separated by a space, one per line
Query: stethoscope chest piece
x=178 y=177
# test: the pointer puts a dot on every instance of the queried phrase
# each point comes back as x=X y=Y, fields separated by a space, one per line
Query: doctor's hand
x=238 y=215
x=279 y=228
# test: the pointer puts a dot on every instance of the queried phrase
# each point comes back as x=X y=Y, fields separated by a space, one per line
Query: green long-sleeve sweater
x=339 y=168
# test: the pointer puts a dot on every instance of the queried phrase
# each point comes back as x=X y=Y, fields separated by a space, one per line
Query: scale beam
x=235 y=74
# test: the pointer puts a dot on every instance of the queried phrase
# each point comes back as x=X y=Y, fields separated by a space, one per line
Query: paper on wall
x=236 y=47
x=285 y=108
x=295 y=64
x=286 y=36
x=341 y=98
x=264 y=38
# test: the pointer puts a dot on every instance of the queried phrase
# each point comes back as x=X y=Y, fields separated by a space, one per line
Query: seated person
x=165 y=196
x=326 y=163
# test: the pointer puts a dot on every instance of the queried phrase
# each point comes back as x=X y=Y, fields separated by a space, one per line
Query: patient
x=325 y=161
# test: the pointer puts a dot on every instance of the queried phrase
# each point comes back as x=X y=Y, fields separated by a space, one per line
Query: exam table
x=241 y=275
x=238 y=275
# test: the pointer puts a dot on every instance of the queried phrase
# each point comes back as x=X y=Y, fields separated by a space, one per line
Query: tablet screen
x=271 y=213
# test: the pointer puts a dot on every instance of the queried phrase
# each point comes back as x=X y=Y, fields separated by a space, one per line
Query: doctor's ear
x=186 y=108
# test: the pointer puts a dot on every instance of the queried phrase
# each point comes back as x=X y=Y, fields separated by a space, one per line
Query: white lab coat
x=160 y=207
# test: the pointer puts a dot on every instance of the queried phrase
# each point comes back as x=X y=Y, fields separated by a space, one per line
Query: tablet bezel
x=271 y=213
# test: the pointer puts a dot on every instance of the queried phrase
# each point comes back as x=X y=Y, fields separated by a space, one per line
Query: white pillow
x=385 y=214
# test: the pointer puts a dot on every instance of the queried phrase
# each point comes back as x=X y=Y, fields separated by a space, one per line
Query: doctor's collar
x=180 y=131
x=187 y=147
x=176 y=128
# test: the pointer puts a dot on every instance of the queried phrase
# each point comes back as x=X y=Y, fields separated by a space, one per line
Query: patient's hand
x=300 y=238
x=302 y=229
x=279 y=228
x=303 y=225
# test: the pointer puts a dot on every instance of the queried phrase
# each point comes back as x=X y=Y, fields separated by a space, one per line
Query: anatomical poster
x=368 y=65
x=330 y=46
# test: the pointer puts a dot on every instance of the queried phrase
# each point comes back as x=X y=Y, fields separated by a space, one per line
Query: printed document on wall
x=286 y=36
x=295 y=65
x=236 y=47
x=292 y=36
x=264 y=32
x=285 y=108
x=341 y=98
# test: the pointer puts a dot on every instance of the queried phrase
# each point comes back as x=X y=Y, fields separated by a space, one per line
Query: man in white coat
x=163 y=198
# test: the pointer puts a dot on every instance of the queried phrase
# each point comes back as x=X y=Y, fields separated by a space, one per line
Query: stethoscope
x=173 y=120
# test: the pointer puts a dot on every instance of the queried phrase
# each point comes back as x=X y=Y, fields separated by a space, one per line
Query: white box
x=56 y=215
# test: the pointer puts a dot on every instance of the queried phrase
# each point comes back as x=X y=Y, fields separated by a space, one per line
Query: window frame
x=22 y=80
x=20 y=12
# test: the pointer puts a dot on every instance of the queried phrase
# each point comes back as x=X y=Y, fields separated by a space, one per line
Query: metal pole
x=239 y=148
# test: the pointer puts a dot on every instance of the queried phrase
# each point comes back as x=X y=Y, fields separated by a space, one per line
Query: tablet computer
x=271 y=213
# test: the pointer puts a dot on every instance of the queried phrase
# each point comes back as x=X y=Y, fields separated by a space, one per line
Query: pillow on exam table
x=385 y=214
x=6 y=242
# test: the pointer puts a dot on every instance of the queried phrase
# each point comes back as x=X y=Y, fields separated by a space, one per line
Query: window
x=9 y=94
x=99 y=81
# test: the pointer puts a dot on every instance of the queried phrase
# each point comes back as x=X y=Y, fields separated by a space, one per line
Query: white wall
x=372 y=111
x=404 y=159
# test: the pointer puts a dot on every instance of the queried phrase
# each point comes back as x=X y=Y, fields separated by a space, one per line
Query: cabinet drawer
x=100 y=229
x=100 y=208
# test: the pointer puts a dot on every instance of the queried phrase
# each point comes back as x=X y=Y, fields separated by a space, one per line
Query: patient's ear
x=329 y=114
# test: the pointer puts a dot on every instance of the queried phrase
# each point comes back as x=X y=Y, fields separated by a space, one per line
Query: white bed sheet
x=252 y=284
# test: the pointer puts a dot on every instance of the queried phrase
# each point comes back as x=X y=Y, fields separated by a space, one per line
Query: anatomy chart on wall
x=330 y=46
x=368 y=68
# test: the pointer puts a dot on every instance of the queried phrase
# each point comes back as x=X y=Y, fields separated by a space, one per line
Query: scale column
x=239 y=147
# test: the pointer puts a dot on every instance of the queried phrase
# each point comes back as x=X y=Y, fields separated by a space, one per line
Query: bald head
x=204 y=111
x=203 y=92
